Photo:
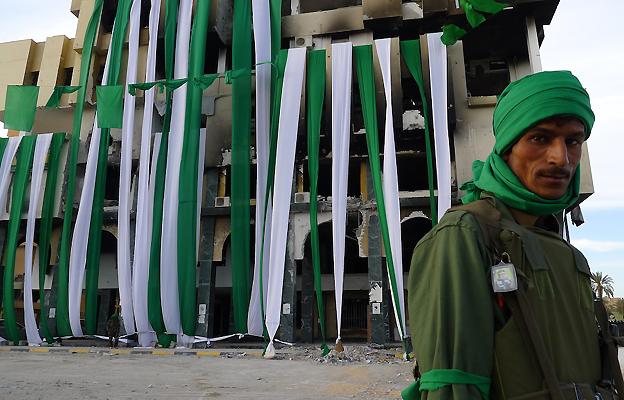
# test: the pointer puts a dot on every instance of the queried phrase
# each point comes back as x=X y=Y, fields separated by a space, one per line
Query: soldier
x=112 y=326
x=500 y=305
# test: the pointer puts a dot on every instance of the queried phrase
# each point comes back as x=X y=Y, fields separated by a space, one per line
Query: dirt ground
x=361 y=372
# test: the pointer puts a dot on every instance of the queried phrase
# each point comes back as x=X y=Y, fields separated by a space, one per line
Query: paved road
x=102 y=375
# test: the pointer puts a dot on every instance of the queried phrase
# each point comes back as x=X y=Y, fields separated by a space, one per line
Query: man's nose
x=558 y=153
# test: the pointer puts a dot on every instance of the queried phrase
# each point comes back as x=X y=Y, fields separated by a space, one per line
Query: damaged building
x=502 y=49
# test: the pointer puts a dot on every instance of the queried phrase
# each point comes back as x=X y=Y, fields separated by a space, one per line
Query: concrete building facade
x=503 y=49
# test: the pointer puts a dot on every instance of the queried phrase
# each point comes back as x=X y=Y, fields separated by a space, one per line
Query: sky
x=587 y=38
x=584 y=37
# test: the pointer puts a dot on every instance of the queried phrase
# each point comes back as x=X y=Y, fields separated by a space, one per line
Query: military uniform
x=458 y=323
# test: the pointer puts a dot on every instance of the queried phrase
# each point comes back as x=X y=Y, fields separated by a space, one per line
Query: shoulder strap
x=488 y=217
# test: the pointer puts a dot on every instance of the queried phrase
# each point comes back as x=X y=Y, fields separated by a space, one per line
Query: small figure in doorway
x=113 y=326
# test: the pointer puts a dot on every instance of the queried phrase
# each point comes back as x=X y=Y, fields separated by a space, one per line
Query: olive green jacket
x=457 y=322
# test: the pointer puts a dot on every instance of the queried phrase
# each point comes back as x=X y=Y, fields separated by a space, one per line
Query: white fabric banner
x=5 y=166
x=439 y=106
x=262 y=42
x=41 y=151
x=285 y=163
x=169 y=300
x=80 y=238
x=341 y=129
x=391 y=183
x=143 y=231
x=124 y=266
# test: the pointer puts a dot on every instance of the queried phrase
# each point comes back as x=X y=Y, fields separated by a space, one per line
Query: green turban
x=523 y=104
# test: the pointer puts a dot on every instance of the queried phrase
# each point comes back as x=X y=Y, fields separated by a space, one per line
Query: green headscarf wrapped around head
x=522 y=105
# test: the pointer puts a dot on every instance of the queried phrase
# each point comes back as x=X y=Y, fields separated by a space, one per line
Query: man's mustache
x=556 y=172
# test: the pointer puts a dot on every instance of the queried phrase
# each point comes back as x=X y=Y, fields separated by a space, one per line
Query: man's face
x=546 y=157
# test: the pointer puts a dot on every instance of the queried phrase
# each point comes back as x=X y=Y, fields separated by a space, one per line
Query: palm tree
x=602 y=284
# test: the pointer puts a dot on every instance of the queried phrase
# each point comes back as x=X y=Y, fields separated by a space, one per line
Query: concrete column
x=50 y=301
x=308 y=300
x=207 y=271
x=378 y=300
x=289 y=293
x=378 y=317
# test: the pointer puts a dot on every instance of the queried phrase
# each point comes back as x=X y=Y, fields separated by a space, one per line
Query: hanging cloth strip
x=192 y=152
x=20 y=182
x=391 y=189
x=341 y=129
x=142 y=236
x=262 y=42
x=45 y=228
x=438 y=74
x=277 y=84
x=124 y=263
x=285 y=160
x=21 y=105
x=169 y=285
x=410 y=49
x=240 y=182
x=41 y=151
x=8 y=148
x=55 y=98
x=366 y=83
x=315 y=84
x=85 y=249
x=62 y=302
x=473 y=10
x=153 y=289
x=109 y=106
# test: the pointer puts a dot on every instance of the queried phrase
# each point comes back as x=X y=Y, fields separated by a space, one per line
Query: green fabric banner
x=240 y=182
x=109 y=106
x=55 y=98
x=3 y=145
x=62 y=309
x=20 y=183
x=410 y=49
x=20 y=107
x=95 y=228
x=187 y=200
x=45 y=227
x=363 y=57
x=275 y=8
x=171 y=84
x=316 y=95
x=473 y=10
x=154 y=309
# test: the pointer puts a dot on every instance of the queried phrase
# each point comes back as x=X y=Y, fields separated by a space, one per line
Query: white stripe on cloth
x=439 y=106
x=262 y=42
x=5 y=167
x=143 y=231
x=124 y=264
x=341 y=128
x=41 y=151
x=391 y=184
x=169 y=299
x=80 y=238
x=285 y=163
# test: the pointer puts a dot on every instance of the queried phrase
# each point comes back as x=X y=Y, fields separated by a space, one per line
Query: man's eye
x=538 y=139
x=575 y=142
